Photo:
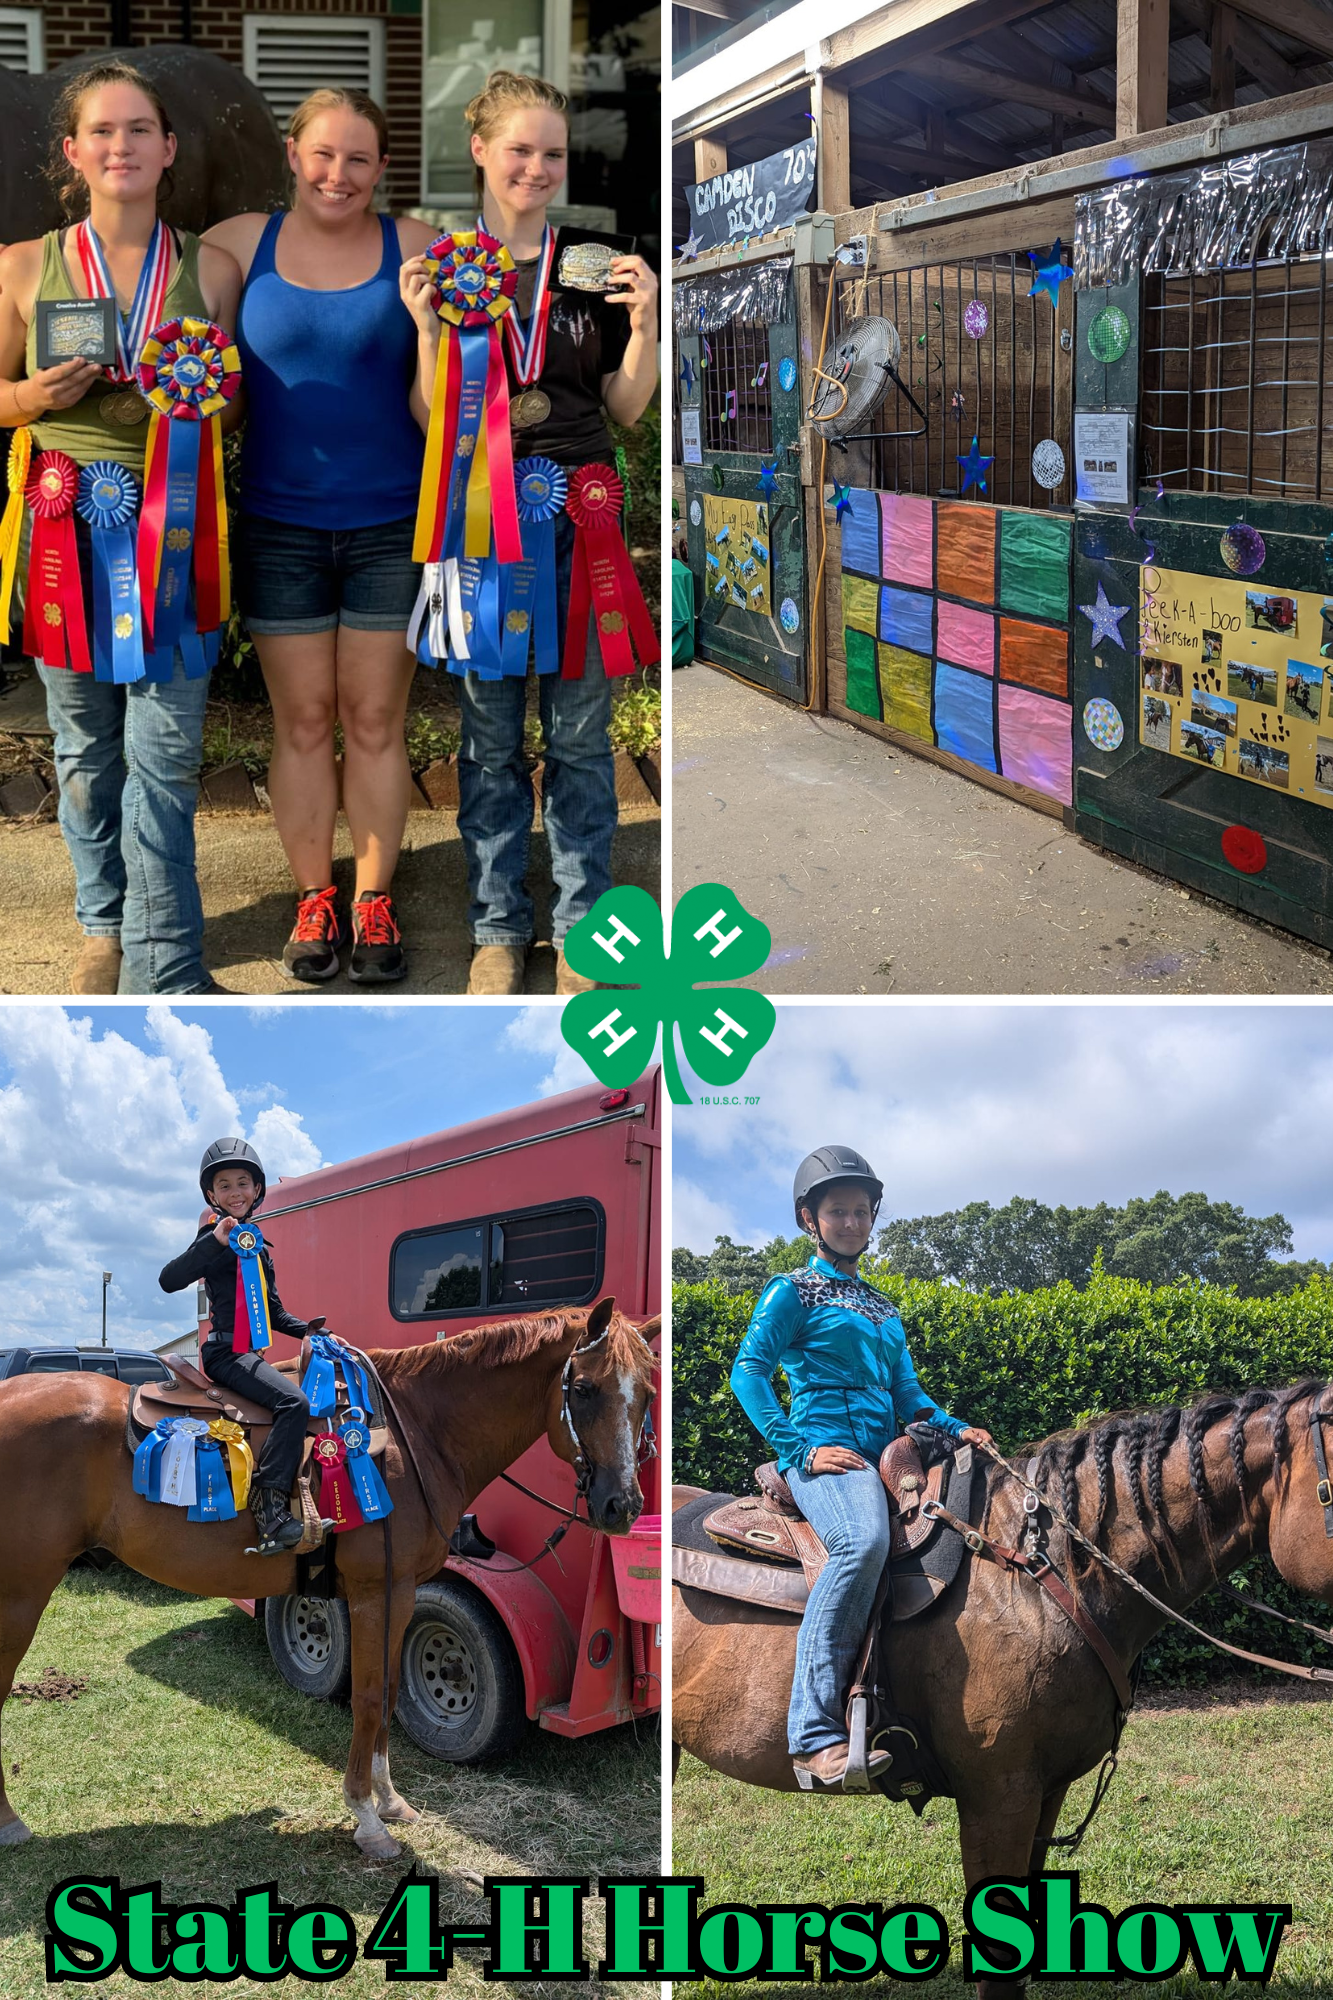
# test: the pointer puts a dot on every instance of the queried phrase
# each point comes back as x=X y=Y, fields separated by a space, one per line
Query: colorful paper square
x=1037 y=742
x=862 y=678
x=904 y=680
x=908 y=540
x=965 y=551
x=860 y=603
x=964 y=721
x=860 y=533
x=906 y=618
x=966 y=637
x=1035 y=655
x=1034 y=564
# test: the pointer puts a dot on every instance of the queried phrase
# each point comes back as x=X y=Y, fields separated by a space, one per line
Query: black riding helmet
x=231 y=1153
x=821 y=1168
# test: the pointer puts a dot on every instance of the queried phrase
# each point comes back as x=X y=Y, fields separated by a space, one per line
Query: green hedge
x=1027 y=1364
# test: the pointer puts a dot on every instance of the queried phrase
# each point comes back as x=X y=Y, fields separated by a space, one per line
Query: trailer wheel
x=310 y=1639
x=460 y=1692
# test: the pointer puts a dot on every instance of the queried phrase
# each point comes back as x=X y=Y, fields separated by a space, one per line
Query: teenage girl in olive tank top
x=127 y=756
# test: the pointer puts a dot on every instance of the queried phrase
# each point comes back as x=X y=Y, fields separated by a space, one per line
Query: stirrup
x=856 y=1777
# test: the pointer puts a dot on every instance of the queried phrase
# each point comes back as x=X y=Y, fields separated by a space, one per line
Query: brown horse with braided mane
x=1015 y=1701
x=468 y=1406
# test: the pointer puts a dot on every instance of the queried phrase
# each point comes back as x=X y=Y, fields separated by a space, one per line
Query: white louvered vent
x=289 y=55
x=21 y=39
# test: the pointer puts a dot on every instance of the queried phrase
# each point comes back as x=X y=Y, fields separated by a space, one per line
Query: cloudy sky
x=105 y=1112
x=953 y=1104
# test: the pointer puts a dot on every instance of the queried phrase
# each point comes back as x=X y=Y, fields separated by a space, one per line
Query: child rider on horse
x=231 y=1180
x=842 y=1347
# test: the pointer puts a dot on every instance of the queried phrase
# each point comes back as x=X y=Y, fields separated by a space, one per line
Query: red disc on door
x=1245 y=849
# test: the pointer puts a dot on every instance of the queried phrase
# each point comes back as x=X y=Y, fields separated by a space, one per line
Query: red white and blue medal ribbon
x=109 y=502
x=252 y=1327
x=527 y=338
x=528 y=610
x=55 y=630
x=603 y=584
x=150 y=293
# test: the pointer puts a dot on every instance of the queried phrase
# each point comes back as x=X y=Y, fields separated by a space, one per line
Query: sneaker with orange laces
x=378 y=957
x=320 y=931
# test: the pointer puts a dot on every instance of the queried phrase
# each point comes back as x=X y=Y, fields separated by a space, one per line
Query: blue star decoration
x=1105 y=618
x=842 y=500
x=691 y=247
x=768 y=479
x=686 y=373
x=1049 y=277
x=975 y=467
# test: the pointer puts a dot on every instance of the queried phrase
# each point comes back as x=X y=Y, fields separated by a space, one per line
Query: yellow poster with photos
x=737 y=556
x=1233 y=676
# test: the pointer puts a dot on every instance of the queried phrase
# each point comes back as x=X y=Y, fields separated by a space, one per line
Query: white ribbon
x=178 y=1481
x=435 y=609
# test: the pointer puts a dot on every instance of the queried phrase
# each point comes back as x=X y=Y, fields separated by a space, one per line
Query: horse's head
x=1300 y=1524
x=598 y=1419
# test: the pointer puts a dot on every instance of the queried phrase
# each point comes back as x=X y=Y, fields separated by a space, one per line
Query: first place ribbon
x=603 y=583
x=371 y=1493
x=337 y=1495
x=252 y=1328
x=108 y=502
x=528 y=612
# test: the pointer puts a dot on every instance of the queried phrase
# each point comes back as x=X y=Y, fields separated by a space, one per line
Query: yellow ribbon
x=224 y=550
x=240 y=1458
x=428 y=502
x=11 y=522
x=477 y=520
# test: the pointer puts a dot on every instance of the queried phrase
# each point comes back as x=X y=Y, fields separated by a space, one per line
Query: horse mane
x=1145 y=1437
x=512 y=1340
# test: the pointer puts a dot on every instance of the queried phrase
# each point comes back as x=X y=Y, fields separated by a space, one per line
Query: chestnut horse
x=1015 y=1702
x=469 y=1406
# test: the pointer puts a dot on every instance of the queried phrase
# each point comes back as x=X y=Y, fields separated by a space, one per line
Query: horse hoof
x=400 y=1812
x=14 y=1832
x=376 y=1849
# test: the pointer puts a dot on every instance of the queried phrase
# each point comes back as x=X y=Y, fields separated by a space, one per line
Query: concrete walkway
x=878 y=872
x=248 y=904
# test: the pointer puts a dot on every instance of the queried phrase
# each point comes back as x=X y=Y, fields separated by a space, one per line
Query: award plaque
x=76 y=330
x=583 y=259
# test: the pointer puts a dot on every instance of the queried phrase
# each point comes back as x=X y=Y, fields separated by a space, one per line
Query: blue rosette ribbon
x=109 y=502
x=528 y=613
x=148 y=1460
x=213 y=1499
x=371 y=1492
x=252 y=1327
x=319 y=1384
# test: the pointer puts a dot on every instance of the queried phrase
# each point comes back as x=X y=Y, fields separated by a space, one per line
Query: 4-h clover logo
x=620 y=943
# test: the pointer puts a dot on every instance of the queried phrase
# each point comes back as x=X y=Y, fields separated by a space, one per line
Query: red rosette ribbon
x=603 y=584
x=55 y=630
x=337 y=1496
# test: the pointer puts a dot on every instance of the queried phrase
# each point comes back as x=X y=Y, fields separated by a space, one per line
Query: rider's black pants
x=250 y=1375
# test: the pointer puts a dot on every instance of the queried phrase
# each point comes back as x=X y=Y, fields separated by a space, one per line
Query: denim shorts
x=303 y=579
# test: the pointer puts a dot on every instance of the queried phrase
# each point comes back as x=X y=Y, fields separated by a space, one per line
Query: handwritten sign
x=737 y=555
x=750 y=201
x=1239 y=680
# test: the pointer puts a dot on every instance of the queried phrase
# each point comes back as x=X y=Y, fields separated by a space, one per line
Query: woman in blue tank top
x=330 y=468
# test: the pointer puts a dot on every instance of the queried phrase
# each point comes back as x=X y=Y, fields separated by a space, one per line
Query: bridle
x=645 y=1445
x=1324 y=1490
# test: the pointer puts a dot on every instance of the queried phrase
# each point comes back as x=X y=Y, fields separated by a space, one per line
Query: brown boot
x=97 y=967
x=568 y=981
x=823 y=1770
x=497 y=968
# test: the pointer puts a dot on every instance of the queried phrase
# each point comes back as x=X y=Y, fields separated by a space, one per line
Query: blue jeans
x=850 y=1513
x=127 y=759
x=578 y=789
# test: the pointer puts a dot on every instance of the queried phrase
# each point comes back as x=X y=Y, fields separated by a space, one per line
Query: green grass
x=188 y=1759
x=1221 y=1802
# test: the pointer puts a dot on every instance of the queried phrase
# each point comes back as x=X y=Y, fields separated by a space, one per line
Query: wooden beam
x=919 y=160
x=1222 y=64
x=1297 y=18
x=1142 y=44
x=710 y=157
x=1075 y=101
x=718 y=10
x=889 y=38
x=893 y=112
x=1254 y=52
x=833 y=149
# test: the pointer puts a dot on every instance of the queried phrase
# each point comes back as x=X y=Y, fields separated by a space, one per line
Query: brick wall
x=73 y=27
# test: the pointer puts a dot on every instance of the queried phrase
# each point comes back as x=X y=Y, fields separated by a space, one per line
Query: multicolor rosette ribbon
x=11 y=522
x=181 y=1463
x=235 y=1447
x=337 y=1496
x=54 y=628
x=319 y=1384
x=372 y=1495
x=108 y=502
x=603 y=583
x=528 y=611
x=467 y=488
x=189 y=371
x=253 y=1327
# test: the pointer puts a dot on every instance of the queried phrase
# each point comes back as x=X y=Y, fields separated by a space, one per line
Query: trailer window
x=438 y=1272
x=546 y=1259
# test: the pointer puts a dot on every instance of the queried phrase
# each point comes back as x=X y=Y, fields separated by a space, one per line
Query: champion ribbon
x=541 y=488
x=54 y=629
x=108 y=501
x=234 y=1445
x=527 y=338
x=149 y=293
x=337 y=1495
x=466 y=480
x=188 y=372
x=253 y=1328
x=11 y=522
x=148 y=1459
x=178 y=1474
x=603 y=583
x=214 y=1500
x=319 y=1384
x=372 y=1495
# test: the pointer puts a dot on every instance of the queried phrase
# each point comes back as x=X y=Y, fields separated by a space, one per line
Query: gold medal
x=127 y=407
x=533 y=406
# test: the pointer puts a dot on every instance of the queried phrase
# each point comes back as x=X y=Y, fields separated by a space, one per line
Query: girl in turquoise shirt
x=841 y=1345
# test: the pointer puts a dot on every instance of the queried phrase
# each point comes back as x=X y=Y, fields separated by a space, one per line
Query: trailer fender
x=534 y=1621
